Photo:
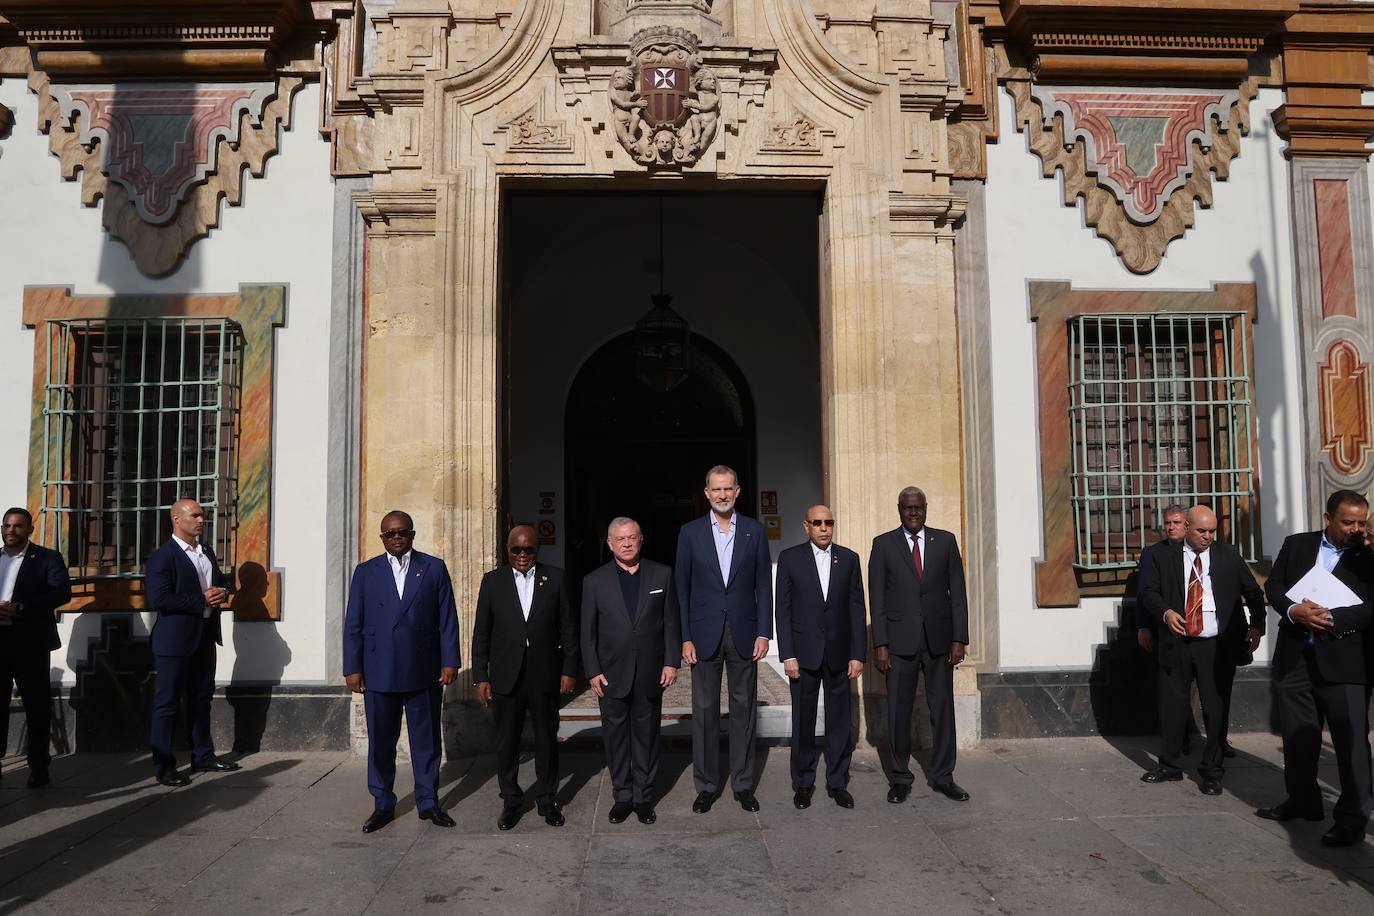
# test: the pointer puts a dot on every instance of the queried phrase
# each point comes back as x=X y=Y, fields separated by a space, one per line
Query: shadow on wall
x=260 y=660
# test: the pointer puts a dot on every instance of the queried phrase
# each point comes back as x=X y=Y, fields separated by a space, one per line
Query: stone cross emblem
x=665 y=102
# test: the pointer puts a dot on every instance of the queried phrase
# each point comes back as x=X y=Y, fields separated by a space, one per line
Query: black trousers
x=28 y=669
x=901 y=700
x=510 y=710
x=631 y=726
x=1305 y=700
x=193 y=676
x=1195 y=659
x=839 y=738
x=743 y=676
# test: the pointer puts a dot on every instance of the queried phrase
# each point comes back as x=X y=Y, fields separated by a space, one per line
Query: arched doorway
x=636 y=451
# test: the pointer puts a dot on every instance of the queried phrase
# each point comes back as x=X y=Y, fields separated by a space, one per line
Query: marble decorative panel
x=1332 y=201
x=1343 y=385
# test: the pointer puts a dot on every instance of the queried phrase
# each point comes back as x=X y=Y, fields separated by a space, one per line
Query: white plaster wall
x=280 y=234
x=1244 y=237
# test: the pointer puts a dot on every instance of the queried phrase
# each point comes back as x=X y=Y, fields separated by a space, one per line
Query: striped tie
x=1192 y=620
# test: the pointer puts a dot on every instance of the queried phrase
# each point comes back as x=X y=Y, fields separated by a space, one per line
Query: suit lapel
x=641 y=604
x=743 y=539
x=414 y=574
x=899 y=543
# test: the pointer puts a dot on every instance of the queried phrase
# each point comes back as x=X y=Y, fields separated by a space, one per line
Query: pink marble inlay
x=1332 y=196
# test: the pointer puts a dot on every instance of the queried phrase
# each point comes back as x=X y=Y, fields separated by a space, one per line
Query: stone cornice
x=1326 y=50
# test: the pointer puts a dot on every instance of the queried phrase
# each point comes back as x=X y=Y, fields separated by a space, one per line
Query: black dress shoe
x=645 y=812
x=37 y=779
x=620 y=811
x=438 y=817
x=1159 y=774
x=172 y=778
x=214 y=765
x=951 y=790
x=553 y=816
x=802 y=797
x=703 y=803
x=508 y=819
x=841 y=796
x=1210 y=786
x=1342 y=836
x=1227 y=750
x=898 y=792
x=1287 y=812
x=747 y=801
x=378 y=820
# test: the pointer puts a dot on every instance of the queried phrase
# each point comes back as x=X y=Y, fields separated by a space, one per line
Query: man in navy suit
x=725 y=590
x=1319 y=670
x=186 y=588
x=631 y=646
x=524 y=655
x=33 y=585
x=400 y=650
x=919 y=607
x=821 y=639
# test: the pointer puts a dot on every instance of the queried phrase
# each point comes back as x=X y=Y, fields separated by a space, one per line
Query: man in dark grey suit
x=919 y=609
x=631 y=647
x=821 y=640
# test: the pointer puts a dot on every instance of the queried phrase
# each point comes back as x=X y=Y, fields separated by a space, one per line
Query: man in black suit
x=33 y=585
x=524 y=654
x=1145 y=622
x=919 y=608
x=1194 y=589
x=631 y=648
x=821 y=640
x=1319 y=670
x=186 y=588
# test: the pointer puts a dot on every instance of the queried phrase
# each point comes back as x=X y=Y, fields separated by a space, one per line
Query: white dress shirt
x=399 y=569
x=1209 y=601
x=9 y=573
x=920 y=538
x=204 y=571
x=524 y=587
x=822 y=558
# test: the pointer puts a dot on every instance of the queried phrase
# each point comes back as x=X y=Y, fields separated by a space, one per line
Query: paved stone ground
x=1055 y=826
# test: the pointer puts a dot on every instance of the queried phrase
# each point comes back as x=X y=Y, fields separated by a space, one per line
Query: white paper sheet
x=1323 y=589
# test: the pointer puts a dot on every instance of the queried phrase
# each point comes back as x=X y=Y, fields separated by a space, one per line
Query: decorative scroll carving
x=799 y=135
x=528 y=132
x=1343 y=381
x=161 y=188
x=1114 y=193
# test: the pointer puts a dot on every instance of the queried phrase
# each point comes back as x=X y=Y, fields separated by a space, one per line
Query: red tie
x=1192 y=620
x=916 y=554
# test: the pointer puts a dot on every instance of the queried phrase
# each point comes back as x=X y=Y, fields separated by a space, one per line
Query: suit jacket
x=813 y=627
x=174 y=591
x=1340 y=651
x=911 y=612
x=744 y=601
x=399 y=644
x=1144 y=620
x=1163 y=587
x=503 y=643
x=630 y=655
x=41 y=587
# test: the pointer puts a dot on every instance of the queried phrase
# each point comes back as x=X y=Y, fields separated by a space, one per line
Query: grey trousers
x=743 y=675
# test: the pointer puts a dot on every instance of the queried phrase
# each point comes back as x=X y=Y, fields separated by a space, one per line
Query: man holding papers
x=1320 y=587
x=1194 y=589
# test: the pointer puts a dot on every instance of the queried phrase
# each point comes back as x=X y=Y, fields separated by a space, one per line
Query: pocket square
x=655 y=591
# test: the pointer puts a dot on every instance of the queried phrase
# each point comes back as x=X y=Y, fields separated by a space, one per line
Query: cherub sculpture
x=630 y=129
x=704 y=104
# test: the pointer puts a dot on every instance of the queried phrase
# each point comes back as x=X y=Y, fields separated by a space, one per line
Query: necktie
x=916 y=555
x=1192 y=620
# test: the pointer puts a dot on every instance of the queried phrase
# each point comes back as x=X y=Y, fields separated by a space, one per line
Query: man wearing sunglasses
x=400 y=652
x=525 y=653
x=821 y=639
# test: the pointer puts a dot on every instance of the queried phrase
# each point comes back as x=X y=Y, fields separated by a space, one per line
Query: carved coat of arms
x=666 y=104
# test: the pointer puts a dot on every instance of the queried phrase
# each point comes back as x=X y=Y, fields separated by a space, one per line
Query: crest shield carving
x=665 y=103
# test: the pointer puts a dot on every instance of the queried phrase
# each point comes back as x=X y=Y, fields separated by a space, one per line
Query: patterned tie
x=1192 y=620
x=916 y=555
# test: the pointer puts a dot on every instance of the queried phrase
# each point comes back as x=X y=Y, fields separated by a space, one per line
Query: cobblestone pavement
x=1055 y=826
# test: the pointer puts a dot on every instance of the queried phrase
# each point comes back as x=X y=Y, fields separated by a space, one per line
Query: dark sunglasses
x=821 y=522
x=523 y=551
x=399 y=533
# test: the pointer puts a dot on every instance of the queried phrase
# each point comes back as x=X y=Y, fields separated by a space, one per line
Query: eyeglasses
x=821 y=522
x=399 y=533
x=523 y=551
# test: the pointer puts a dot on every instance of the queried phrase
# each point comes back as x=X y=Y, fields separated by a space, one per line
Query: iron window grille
x=1160 y=412
x=138 y=413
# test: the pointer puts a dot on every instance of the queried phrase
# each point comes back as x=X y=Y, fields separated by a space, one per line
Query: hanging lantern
x=662 y=341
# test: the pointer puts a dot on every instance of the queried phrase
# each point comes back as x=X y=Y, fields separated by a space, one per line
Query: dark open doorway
x=637 y=468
